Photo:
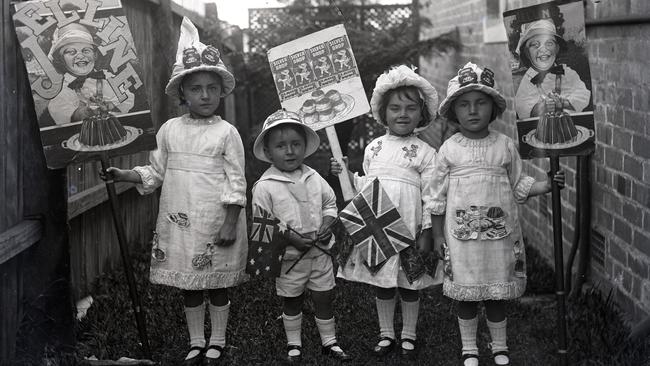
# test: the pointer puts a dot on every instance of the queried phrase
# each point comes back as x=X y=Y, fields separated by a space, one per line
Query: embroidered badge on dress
x=204 y=260
x=376 y=149
x=410 y=153
x=179 y=218
x=157 y=254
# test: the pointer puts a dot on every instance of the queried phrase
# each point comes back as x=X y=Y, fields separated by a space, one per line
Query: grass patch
x=255 y=334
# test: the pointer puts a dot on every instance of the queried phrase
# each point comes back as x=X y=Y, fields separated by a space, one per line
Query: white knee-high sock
x=219 y=322
x=410 y=311
x=327 y=331
x=292 y=327
x=386 y=314
x=468 y=335
x=195 y=317
x=498 y=334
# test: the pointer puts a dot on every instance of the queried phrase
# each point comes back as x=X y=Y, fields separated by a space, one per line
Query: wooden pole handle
x=344 y=177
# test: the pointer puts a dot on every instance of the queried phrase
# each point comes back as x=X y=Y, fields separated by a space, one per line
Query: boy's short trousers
x=316 y=273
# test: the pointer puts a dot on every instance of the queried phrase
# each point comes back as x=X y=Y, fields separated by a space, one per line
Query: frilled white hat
x=194 y=56
x=280 y=117
x=70 y=33
x=541 y=26
x=403 y=75
x=471 y=77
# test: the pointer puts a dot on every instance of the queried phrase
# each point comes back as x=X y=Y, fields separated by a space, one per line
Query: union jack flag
x=265 y=249
x=375 y=226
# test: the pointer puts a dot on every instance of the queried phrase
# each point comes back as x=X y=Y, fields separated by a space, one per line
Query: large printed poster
x=85 y=78
x=552 y=81
x=317 y=77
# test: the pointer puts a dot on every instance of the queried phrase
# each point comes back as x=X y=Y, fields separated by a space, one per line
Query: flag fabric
x=375 y=226
x=265 y=248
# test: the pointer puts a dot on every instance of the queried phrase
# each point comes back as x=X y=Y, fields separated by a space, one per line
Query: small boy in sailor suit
x=301 y=199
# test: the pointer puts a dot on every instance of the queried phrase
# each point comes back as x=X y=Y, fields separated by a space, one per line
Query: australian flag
x=265 y=249
x=375 y=226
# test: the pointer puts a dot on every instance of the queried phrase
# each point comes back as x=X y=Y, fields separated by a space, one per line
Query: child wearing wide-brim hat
x=404 y=103
x=200 y=241
x=478 y=182
x=301 y=199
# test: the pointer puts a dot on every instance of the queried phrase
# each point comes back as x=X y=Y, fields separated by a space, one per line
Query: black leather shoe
x=294 y=360
x=339 y=355
x=213 y=361
x=380 y=350
x=408 y=353
x=196 y=360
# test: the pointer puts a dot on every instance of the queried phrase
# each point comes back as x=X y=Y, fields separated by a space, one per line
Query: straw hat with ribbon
x=470 y=78
x=194 y=56
x=403 y=75
x=283 y=117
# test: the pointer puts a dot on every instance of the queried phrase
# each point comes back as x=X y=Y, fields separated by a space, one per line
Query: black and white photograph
x=325 y=182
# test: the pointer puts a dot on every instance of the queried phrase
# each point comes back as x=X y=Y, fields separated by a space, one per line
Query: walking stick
x=559 y=263
x=126 y=260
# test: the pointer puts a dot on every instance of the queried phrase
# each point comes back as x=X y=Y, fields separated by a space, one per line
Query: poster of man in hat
x=552 y=82
x=84 y=74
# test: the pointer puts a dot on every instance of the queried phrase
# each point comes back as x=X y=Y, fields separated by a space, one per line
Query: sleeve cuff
x=330 y=212
x=234 y=199
x=523 y=188
x=438 y=208
x=148 y=184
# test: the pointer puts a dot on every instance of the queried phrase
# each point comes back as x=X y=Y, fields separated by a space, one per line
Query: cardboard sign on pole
x=552 y=81
x=317 y=77
x=86 y=80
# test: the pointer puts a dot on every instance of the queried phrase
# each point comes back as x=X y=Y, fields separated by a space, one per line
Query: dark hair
x=59 y=63
x=411 y=93
x=286 y=126
x=451 y=115
x=183 y=101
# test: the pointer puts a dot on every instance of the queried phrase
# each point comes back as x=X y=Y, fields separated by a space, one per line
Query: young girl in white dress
x=478 y=183
x=404 y=103
x=200 y=241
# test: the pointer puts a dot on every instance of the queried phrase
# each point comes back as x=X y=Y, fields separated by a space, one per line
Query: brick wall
x=620 y=168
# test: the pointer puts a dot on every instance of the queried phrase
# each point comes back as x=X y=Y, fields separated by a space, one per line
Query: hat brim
x=312 y=143
x=227 y=79
x=499 y=100
x=68 y=40
x=522 y=41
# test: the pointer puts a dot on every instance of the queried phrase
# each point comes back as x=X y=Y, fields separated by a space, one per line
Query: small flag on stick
x=265 y=247
x=375 y=226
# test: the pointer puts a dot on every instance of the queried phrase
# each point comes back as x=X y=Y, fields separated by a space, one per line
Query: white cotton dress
x=404 y=166
x=478 y=184
x=200 y=165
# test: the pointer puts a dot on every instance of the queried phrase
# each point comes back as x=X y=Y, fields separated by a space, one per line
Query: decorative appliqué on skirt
x=204 y=260
x=480 y=222
x=179 y=218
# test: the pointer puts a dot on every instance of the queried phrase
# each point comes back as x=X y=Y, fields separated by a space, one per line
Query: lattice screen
x=264 y=22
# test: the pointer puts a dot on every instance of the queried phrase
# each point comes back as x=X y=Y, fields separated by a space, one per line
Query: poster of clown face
x=85 y=79
x=552 y=81
x=317 y=77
